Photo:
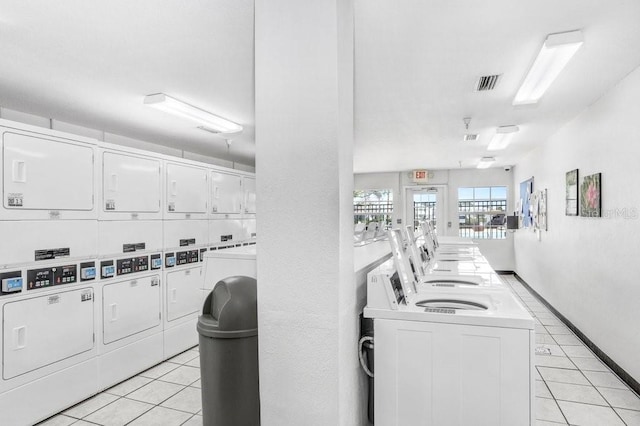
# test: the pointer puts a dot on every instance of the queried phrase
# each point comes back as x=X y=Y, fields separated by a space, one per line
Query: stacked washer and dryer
x=453 y=346
x=101 y=262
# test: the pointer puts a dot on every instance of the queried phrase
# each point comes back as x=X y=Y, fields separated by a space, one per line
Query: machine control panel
x=47 y=277
x=132 y=264
x=65 y=274
x=189 y=256
x=156 y=261
x=88 y=271
x=169 y=260
x=38 y=278
x=11 y=282
x=107 y=269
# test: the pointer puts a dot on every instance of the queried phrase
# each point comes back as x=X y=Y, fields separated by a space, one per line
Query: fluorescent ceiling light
x=204 y=118
x=486 y=162
x=502 y=138
x=556 y=52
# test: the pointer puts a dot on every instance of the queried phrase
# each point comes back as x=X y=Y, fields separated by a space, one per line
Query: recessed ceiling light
x=554 y=55
x=470 y=137
x=207 y=120
x=502 y=138
x=486 y=162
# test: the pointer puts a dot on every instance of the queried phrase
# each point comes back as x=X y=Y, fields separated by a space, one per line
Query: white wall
x=588 y=268
x=498 y=252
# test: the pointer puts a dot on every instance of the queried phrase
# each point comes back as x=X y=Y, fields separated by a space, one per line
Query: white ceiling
x=416 y=61
x=92 y=62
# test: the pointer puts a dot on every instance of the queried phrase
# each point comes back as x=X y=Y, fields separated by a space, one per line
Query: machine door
x=187 y=189
x=226 y=193
x=249 y=186
x=183 y=292
x=130 y=184
x=46 y=174
x=43 y=330
x=130 y=307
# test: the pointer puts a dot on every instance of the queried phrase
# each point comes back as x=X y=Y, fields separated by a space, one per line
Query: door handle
x=20 y=337
x=19 y=171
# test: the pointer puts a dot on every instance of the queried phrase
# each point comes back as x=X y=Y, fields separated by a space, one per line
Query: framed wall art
x=571 y=204
x=526 y=189
x=590 y=196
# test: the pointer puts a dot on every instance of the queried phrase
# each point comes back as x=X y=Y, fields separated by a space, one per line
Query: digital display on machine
x=169 y=260
x=88 y=271
x=156 y=261
x=396 y=285
x=11 y=282
x=107 y=270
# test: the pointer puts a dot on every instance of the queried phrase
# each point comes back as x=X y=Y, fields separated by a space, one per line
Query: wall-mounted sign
x=420 y=176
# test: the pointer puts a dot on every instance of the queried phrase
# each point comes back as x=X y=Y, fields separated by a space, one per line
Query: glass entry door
x=425 y=204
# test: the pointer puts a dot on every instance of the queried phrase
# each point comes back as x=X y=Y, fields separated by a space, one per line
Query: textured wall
x=587 y=268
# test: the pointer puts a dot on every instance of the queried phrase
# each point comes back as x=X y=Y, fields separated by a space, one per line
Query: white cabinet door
x=130 y=307
x=42 y=174
x=187 y=190
x=130 y=184
x=447 y=374
x=249 y=186
x=43 y=330
x=226 y=193
x=183 y=292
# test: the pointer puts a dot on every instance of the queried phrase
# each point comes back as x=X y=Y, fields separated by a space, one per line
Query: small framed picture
x=571 y=208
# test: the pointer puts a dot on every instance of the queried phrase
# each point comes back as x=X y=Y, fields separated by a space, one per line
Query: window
x=424 y=208
x=482 y=212
x=373 y=205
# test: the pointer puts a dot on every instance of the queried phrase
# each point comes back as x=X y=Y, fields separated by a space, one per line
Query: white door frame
x=441 y=204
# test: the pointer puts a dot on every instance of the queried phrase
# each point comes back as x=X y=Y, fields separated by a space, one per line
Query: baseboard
x=626 y=377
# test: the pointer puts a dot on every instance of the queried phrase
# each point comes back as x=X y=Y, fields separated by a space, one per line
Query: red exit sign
x=420 y=176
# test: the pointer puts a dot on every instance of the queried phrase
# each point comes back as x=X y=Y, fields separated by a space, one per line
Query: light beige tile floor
x=573 y=387
x=165 y=395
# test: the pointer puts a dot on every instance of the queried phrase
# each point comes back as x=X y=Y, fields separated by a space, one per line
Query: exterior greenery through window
x=373 y=205
x=482 y=212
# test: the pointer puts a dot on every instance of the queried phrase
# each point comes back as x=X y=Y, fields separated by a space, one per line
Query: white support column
x=304 y=169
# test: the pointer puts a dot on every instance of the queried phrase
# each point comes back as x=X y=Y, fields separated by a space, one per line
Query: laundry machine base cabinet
x=452 y=375
x=35 y=401
x=122 y=363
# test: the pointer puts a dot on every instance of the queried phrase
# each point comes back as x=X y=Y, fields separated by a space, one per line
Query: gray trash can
x=228 y=329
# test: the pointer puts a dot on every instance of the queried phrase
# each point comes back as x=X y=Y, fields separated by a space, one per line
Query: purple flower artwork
x=590 y=199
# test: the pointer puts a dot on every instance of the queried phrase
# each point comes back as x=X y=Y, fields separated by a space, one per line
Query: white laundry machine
x=449 y=358
x=220 y=264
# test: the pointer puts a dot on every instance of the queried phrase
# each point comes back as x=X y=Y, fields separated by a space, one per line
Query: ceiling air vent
x=487 y=82
x=469 y=137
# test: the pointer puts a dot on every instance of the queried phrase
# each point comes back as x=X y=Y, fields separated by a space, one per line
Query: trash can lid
x=231 y=309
